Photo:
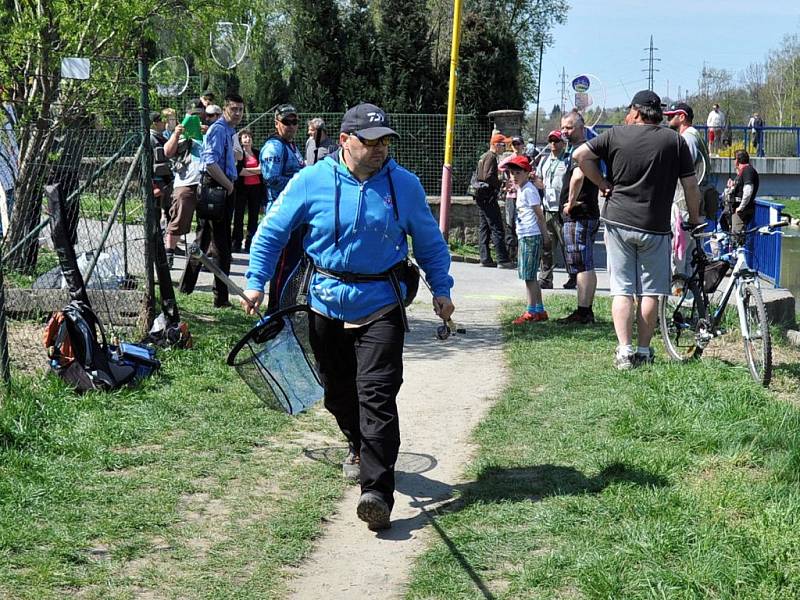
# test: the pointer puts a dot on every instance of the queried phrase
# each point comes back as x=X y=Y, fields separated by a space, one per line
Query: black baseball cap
x=155 y=117
x=367 y=121
x=680 y=107
x=647 y=98
x=284 y=110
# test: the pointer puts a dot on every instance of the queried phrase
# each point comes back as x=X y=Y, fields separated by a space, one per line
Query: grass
x=669 y=481
x=184 y=487
x=462 y=249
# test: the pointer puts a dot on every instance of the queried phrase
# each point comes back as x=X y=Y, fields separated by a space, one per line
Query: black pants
x=215 y=235
x=491 y=226
x=249 y=199
x=362 y=370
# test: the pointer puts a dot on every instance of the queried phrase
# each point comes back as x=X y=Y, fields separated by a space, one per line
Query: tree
x=408 y=83
x=488 y=67
x=37 y=35
x=361 y=62
x=315 y=55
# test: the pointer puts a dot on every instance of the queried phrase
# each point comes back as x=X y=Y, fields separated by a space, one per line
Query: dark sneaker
x=644 y=359
x=508 y=264
x=571 y=283
x=373 y=510
x=179 y=251
x=624 y=361
x=575 y=317
x=546 y=285
x=488 y=263
x=351 y=467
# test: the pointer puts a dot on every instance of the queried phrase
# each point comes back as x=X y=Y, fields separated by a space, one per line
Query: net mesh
x=229 y=43
x=276 y=362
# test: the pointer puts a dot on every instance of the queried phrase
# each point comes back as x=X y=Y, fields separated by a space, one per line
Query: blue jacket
x=275 y=172
x=352 y=227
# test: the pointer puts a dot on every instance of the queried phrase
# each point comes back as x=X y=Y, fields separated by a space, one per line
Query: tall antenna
x=563 y=82
x=650 y=60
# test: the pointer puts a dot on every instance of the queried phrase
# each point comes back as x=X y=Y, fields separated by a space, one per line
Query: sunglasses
x=290 y=122
x=382 y=141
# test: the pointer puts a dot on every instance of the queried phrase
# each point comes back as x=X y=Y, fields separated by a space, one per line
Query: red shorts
x=711 y=135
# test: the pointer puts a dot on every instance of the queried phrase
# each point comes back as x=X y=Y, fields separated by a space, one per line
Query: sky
x=608 y=39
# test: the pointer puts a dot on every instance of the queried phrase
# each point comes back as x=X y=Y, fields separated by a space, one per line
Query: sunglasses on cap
x=289 y=121
x=381 y=141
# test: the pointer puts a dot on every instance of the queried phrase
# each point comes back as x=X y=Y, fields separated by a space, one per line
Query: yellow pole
x=447 y=169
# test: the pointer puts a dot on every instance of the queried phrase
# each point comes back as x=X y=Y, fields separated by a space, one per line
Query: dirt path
x=447 y=389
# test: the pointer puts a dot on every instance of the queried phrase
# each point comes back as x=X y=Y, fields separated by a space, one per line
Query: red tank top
x=251 y=162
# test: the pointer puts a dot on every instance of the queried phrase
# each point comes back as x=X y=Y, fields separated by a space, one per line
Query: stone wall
x=463 y=218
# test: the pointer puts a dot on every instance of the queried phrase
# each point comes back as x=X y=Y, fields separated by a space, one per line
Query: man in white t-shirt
x=715 y=123
x=549 y=178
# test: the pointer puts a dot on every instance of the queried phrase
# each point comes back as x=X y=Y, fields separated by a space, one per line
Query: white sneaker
x=624 y=361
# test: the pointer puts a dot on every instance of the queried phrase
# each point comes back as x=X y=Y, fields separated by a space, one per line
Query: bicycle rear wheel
x=756 y=336
x=678 y=315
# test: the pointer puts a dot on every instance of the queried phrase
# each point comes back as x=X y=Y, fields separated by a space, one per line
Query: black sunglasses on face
x=290 y=122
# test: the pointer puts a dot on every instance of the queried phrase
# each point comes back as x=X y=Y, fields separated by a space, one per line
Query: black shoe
x=644 y=359
x=546 y=285
x=571 y=283
x=179 y=251
x=373 y=510
x=507 y=264
x=225 y=304
x=577 y=317
x=236 y=249
x=488 y=263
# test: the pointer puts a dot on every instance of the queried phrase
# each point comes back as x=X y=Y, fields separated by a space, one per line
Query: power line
x=563 y=82
x=650 y=60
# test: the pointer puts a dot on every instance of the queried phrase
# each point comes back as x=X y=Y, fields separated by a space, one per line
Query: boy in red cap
x=531 y=232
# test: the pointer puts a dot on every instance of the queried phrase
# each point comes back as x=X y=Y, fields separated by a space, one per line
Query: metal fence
x=420 y=147
x=765 y=250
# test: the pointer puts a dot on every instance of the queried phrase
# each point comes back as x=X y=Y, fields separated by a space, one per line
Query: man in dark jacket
x=486 y=194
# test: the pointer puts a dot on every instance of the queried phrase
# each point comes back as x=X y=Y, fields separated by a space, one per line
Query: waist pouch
x=404 y=271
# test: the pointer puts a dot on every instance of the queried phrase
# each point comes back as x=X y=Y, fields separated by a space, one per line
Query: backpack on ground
x=80 y=355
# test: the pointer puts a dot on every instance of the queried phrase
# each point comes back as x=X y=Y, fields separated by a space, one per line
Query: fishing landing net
x=275 y=360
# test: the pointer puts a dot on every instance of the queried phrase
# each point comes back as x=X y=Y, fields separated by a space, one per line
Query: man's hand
x=229 y=187
x=179 y=129
x=256 y=298
x=605 y=188
x=443 y=307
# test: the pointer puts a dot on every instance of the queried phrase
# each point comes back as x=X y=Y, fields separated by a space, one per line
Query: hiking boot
x=488 y=263
x=373 y=510
x=571 y=283
x=624 y=361
x=507 y=264
x=576 y=317
x=351 y=467
x=545 y=285
x=644 y=359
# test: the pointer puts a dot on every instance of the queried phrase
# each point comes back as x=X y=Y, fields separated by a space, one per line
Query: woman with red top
x=249 y=194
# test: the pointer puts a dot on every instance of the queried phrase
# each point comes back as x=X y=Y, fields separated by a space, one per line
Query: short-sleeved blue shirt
x=218 y=148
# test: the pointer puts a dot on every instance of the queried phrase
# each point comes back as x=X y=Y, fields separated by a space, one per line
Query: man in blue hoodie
x=357 y=208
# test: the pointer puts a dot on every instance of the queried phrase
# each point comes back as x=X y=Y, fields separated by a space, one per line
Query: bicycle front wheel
x=678 y=315
x=755 y=334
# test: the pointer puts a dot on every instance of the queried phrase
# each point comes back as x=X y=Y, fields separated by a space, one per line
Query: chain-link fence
x=89 y=156
x=420 y=147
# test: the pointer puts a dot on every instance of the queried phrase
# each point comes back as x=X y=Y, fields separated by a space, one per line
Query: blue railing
x=774 y=141
x=765 y=250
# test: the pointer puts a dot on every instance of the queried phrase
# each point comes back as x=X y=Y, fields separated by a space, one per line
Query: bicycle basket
x=275 y=360
x=713 y=275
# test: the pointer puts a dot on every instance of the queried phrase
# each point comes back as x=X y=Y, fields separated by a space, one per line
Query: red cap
x=556 y=133
x=521 y=161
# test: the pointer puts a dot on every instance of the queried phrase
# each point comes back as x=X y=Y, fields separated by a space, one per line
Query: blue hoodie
x=352 y=227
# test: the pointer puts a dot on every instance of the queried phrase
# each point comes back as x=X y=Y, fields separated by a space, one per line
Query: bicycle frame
x=741 y=275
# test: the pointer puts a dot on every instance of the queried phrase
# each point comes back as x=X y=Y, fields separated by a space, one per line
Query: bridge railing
x=765 y=250
x=769 y=141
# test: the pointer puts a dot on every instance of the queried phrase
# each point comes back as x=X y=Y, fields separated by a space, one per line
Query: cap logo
x=375 y=117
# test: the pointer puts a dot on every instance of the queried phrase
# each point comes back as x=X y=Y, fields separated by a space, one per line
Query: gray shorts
x=638 y=263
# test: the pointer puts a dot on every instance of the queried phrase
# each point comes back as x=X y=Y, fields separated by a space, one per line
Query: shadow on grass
x=435 y=498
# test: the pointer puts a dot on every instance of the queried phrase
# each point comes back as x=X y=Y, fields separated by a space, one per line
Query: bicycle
x=688 y=318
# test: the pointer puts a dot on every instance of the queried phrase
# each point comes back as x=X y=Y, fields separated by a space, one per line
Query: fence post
x=147 y=184
x=5 y=361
